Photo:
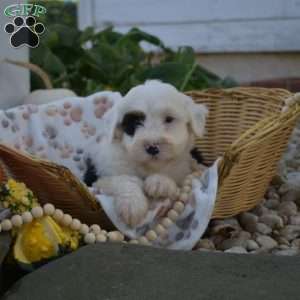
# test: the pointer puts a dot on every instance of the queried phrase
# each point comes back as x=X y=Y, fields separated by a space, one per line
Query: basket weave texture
x=245 y=127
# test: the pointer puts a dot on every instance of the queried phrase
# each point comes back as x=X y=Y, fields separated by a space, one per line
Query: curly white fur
x=149 y=137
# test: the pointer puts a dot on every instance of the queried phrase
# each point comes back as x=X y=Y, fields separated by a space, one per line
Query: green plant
x=88 y=61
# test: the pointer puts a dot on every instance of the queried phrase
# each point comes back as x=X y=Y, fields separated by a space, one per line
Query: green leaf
x=171 y=72
x=52 y=63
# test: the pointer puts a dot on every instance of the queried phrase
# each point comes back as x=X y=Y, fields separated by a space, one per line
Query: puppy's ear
x=197 y=114
x=112 y=121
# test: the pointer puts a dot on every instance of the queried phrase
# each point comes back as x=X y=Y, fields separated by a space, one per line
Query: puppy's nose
x=152 y=150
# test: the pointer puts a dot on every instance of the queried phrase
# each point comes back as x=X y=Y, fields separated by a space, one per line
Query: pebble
x=272 y=220
x=286 y=252
x=287 y=208
x=290 y=232
x=233 y=242
x=206 y=244
x=248 y=221
x=294 y=220
x=263 y=228
x=236 y=250
x=251 y=245
x=266 y=242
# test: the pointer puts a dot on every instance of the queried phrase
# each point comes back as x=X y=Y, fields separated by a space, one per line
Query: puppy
x=146 y=149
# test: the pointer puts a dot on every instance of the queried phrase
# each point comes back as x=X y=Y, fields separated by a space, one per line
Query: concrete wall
x=247 y=67
x=14 y=81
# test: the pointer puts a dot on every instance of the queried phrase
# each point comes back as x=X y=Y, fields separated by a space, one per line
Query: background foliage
x=88 y=61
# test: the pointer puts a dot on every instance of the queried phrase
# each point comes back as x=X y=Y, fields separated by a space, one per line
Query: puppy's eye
x=131 y=122
x=169 y=119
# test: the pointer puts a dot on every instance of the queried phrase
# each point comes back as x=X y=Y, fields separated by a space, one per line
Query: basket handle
x=291 y=102
x=35 y=69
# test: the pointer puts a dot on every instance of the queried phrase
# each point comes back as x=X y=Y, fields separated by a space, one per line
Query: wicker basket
x=245 y=127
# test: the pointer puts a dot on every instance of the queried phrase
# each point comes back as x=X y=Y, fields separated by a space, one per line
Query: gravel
x=273 y=226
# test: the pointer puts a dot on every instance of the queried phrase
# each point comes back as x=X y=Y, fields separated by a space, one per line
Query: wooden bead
x=66 y=220
x=37 y=212
x=166 y=222
x=187 y=182
x=6 y=225
x=58 y=215
x=151 y=235
x=95 y=228
x=49 y=209
x=104 y=232
x=115 y=236
x=184 y=197
x=173 y=214
x=160 y=230
x=178 y=206
x=75 y=225
x=144 y=241
x=17 y=221
x=133 y=242
x=84 y=229
x=187 y=189
x=89 y=238
x=101 y=238
x=27 y=217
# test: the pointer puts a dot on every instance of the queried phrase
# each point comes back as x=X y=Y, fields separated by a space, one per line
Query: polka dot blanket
x=63 y=131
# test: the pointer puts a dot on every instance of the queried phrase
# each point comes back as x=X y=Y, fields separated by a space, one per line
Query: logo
x=24 y=29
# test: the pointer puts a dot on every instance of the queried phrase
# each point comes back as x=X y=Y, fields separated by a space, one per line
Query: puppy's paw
x=131 y=208
x=130 y=202
x=160 y=186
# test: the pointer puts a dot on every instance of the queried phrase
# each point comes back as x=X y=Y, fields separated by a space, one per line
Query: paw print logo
x=24 y=31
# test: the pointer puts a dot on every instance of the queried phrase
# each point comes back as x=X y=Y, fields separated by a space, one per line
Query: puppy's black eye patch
x=132 y=121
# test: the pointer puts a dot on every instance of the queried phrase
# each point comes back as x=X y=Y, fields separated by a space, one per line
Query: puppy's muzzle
x=152 y=150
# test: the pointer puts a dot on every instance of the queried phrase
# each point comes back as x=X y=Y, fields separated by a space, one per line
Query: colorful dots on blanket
x=101 y=106
x=88 y=130
x=67 y=122
x=50 y=132
x=51 y=110
x=76 y=114
x=5 y=123
x=28 y=141
x=67 y=105
x=32 y=108
x=25 y=115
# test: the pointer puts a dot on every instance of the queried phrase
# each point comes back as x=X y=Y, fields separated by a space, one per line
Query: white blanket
x=62 y=131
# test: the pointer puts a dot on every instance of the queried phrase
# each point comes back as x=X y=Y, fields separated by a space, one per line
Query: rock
x=223 y=229
x=114 y=271
x=283 y=189
x=282 y=241
x=230 y=221
x=296 y=243
x=237 y=250
x=283 y=247
x=294 y=220
x=290 y=232
x=287 y=208
x=245 y=235
x=272 y=203
x=266 y=242
x=286 y=252
x=217 y=240
x=291 y=195
x=260 y=210
x=263 y=228
x=251 y=245
x=248 y=221
x=233 y=242
x=205 y=244
x=272 y=220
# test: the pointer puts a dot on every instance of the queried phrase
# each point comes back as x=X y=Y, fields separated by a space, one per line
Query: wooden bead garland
x=94 y=233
